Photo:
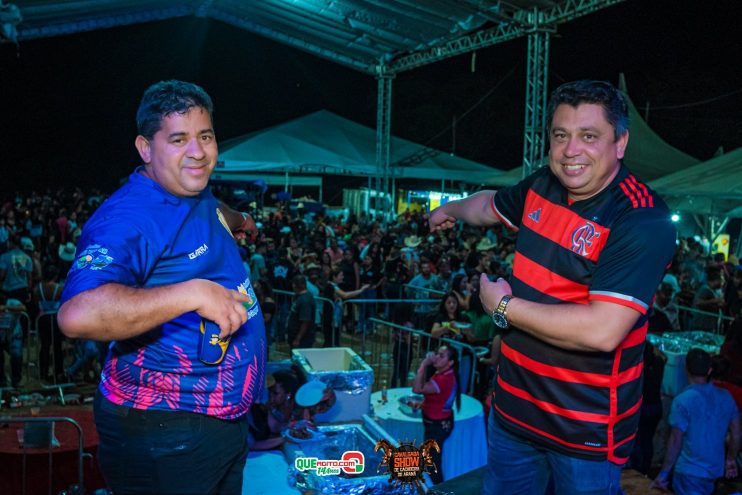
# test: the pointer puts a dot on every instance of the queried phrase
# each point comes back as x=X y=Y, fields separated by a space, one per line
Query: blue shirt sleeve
x=110 y=250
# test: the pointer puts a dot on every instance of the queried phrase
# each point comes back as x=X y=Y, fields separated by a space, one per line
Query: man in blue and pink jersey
x=155 y=265
x=593 y=242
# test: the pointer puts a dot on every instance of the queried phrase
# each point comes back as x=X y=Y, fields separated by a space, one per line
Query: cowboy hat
x=67 y=252
x=485 y=244
x=412 y=241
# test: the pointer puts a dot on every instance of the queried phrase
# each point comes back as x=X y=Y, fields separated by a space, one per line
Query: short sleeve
x=306 y=309
x=109 y=250
x=508 y=203
x=639 y=250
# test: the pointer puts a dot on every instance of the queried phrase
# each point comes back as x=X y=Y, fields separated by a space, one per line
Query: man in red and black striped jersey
x=593 y=242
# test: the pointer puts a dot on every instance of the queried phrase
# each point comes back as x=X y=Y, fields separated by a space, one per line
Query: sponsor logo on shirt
x=252 y=300
x=94 y=257
x=198 y=252
x=535 y=215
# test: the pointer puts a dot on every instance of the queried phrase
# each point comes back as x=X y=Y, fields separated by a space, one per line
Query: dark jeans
x=516 y=466
x=49 y=333
x=169 y=452
x=438 y=430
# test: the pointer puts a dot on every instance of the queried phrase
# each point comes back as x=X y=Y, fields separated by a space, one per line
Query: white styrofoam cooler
x=348 y=375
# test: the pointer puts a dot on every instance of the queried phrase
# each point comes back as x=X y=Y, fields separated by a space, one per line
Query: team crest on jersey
x=223 y=221
x=582 y=239
x=94 y=257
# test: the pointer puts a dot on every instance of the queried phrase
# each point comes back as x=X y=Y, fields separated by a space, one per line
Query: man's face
x=584 y=155
x=425 y=268
x=182 y=154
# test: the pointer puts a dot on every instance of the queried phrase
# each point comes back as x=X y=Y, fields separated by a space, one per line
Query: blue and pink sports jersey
x=143 y=237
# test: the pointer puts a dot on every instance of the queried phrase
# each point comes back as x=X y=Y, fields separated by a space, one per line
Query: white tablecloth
x=464 y=450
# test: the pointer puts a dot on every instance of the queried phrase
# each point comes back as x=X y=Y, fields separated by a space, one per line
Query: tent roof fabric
x=713 y=187
x=323 y=142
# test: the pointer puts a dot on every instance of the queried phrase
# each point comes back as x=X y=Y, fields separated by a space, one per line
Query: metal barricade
x=687 y=316
x=79 y=487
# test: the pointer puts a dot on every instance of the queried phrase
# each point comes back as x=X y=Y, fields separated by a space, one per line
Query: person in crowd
x=264 y=293
x=334 y=251
x=332 y=321
x=592 y=244
x=700 y=418
x=402 y=342
x=460 y=287
x=301 y=325
x=157 y=272
x=651 y=409
x=281 y=273
x=709 y=298
x=258 y=268
x=666 y=314
x=370 y=276
x=444 y=323
x=425 y=285
x=11 y=340
x=267 y=421
x=16 y=271
x=731 y=349
x=441 y=391
x=46 y=296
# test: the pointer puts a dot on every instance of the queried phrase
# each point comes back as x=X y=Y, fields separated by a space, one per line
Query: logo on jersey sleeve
x=94 y=257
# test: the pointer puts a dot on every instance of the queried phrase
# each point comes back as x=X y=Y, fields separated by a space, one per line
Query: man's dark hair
x=167 y=97
x=698 y=362
x=601 y=93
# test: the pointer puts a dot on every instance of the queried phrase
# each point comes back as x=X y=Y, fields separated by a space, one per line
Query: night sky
x=69 y=102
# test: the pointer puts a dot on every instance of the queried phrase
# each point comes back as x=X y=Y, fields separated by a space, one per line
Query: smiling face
x=182 y=154
x=584 y=154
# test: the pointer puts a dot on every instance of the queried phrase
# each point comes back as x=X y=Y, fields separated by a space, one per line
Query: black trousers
x=438 y=430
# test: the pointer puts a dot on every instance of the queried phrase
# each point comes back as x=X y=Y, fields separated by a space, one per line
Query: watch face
x=500 y=320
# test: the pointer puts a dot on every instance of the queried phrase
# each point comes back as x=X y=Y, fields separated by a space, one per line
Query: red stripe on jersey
x=643 y=188
x=563 y=374
x=628 y=193
x=635 y=337
x=566 y=374
x=549 y=435
x=548 y=282
x=618 y=300
x=552 y=408
x=565 y=227
x=502 y=217
x=638 y=193
x=620 y=460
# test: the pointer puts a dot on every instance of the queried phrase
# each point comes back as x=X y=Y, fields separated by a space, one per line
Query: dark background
x=68 y=103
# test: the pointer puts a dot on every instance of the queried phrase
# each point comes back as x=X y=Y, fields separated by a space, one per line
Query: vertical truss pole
x=383 y=139
x=536 y=82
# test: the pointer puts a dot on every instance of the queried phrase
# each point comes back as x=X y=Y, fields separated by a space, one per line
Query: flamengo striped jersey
x=612 y=247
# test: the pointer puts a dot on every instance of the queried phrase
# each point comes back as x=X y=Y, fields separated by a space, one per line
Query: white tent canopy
x=713 y=187
x=323 y=142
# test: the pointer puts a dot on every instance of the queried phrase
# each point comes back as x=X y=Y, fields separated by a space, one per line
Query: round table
x=61 y=466
x=463 y=451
